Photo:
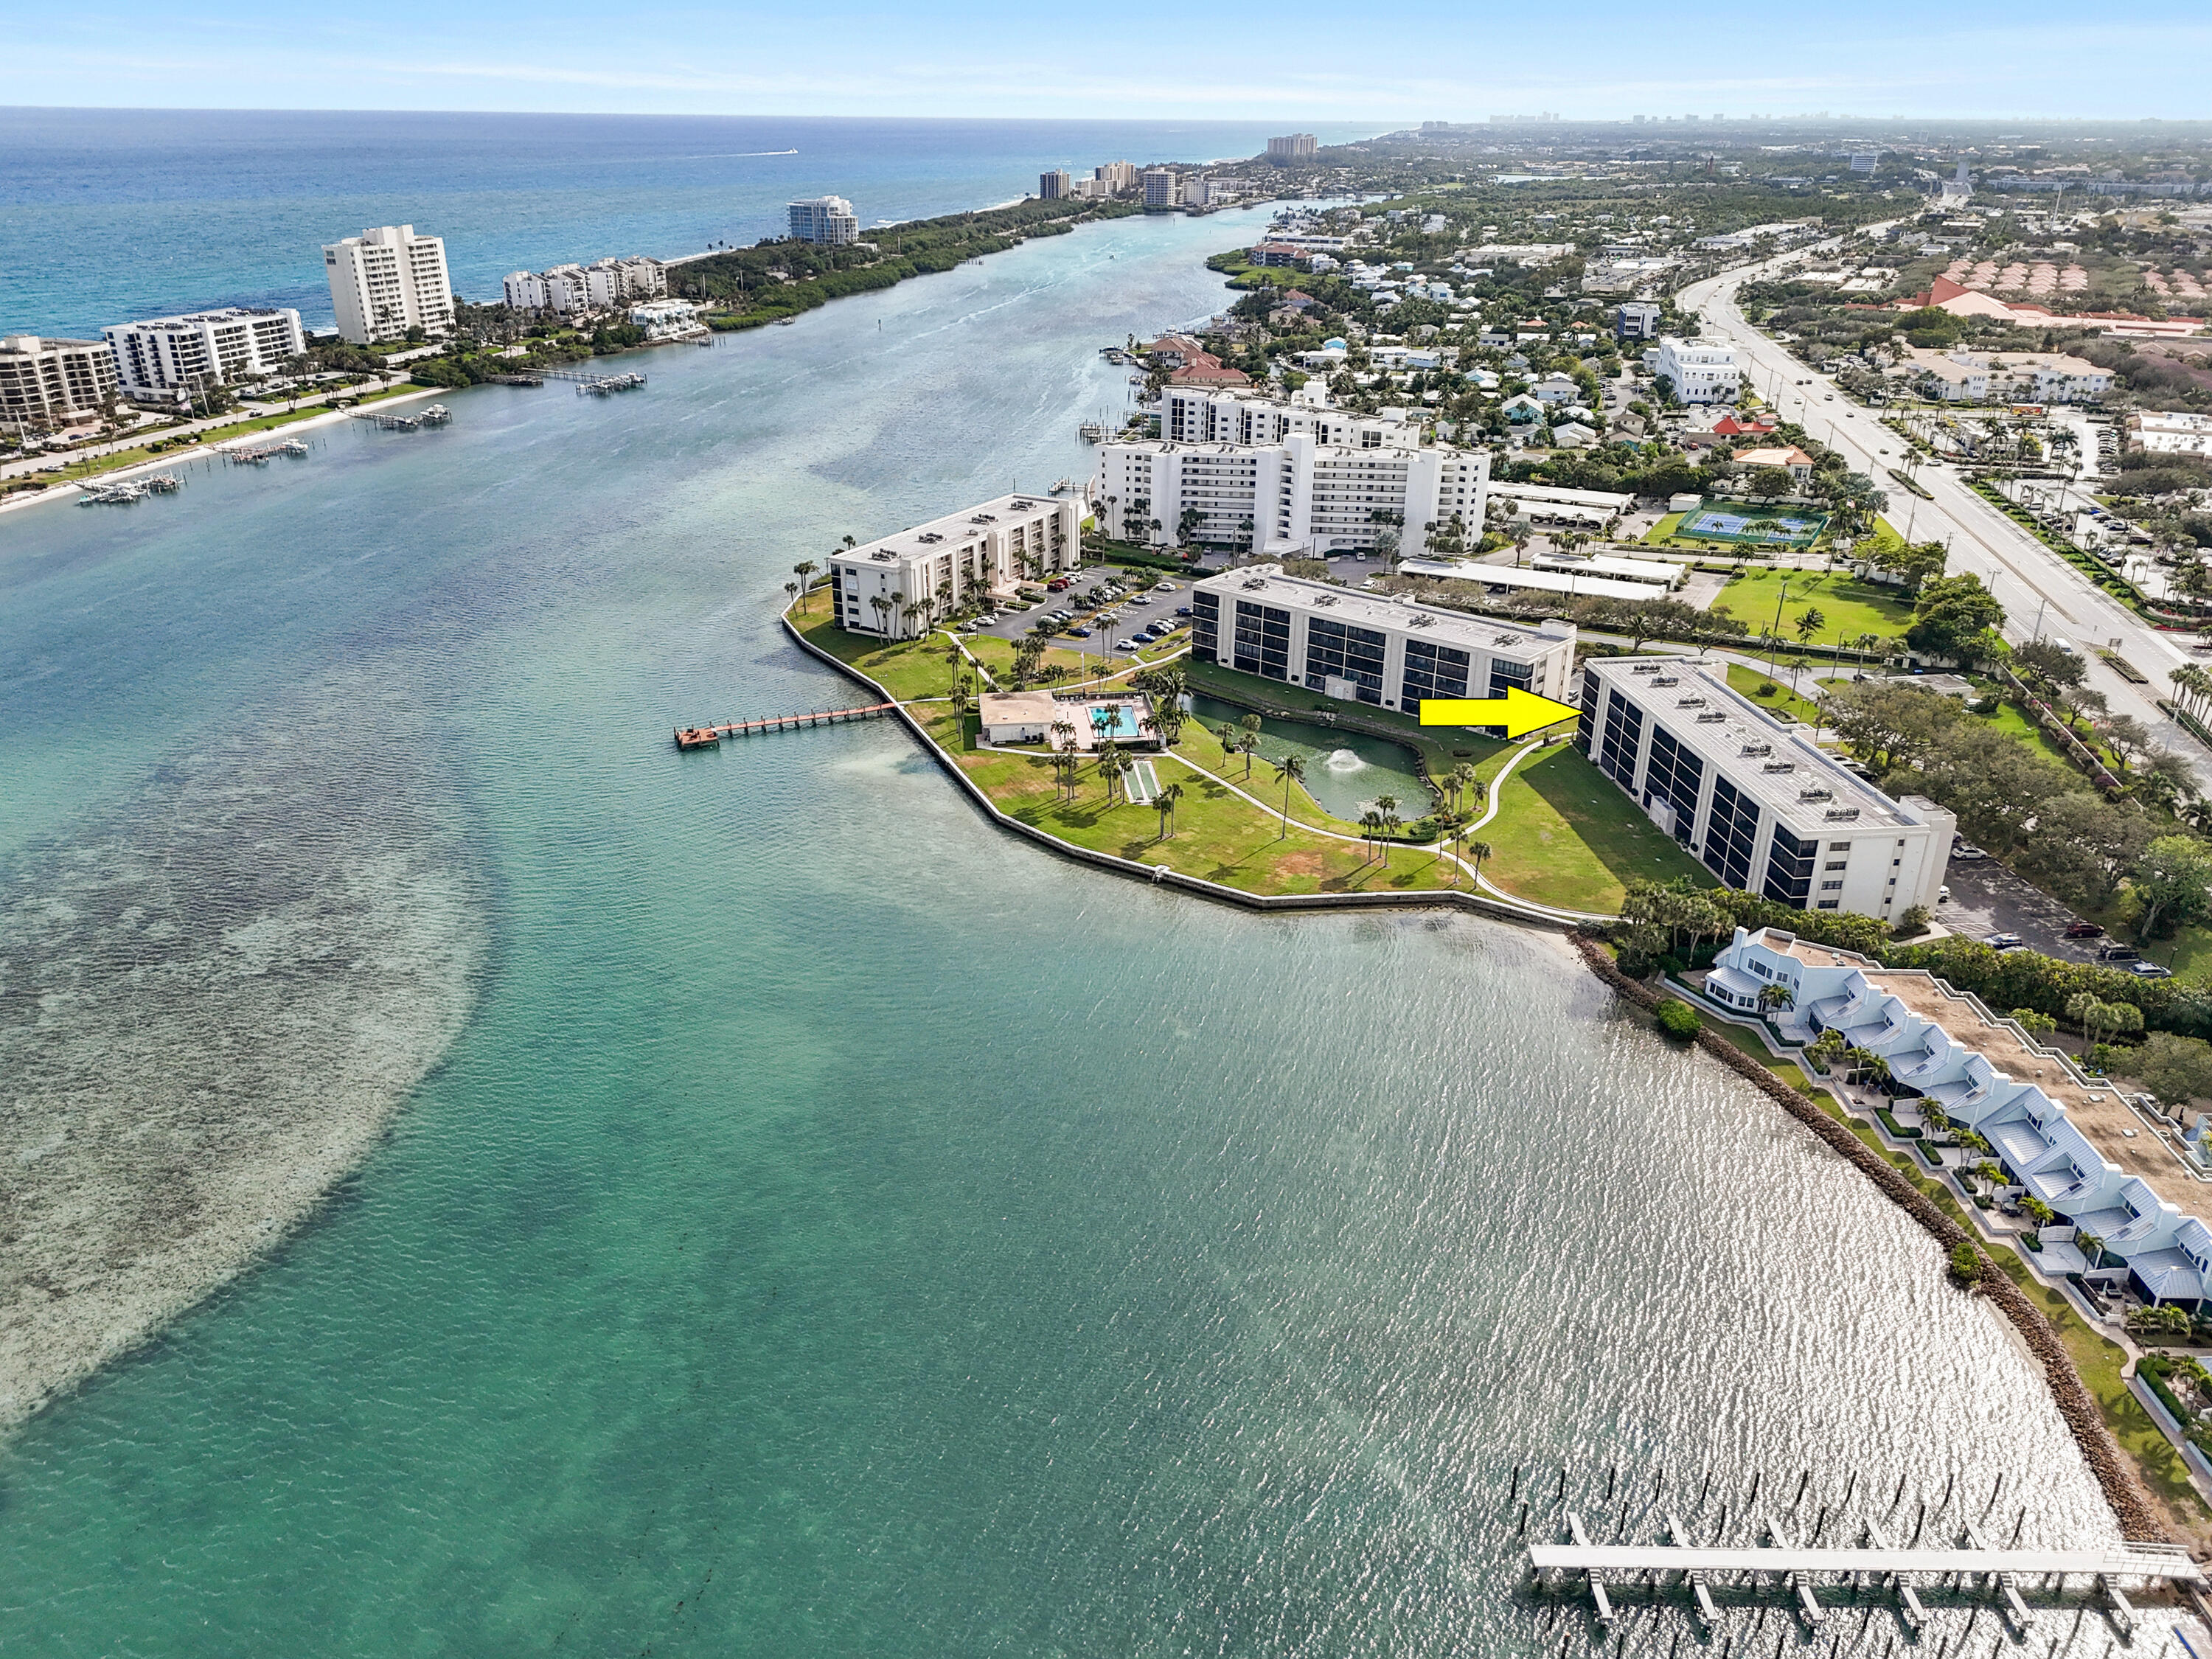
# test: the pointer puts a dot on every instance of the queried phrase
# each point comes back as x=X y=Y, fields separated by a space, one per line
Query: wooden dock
x=708 y=737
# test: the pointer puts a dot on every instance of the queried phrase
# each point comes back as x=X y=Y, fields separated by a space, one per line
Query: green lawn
x=208 y=441
x=1848 y=605
x=1662 y=532
x=1783 y=701
x=1564 y=835
x=1440 y=748
x=1219 y=836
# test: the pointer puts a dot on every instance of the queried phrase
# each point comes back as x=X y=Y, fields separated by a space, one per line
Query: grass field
x=1565 y=836
x=1849 y=607
x=1784 y=701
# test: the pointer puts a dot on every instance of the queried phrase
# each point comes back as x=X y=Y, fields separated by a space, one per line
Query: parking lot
x=1987 y=898
x=1116 y=620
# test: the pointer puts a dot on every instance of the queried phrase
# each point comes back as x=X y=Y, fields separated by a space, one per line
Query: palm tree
x=1291 y=769
x=1168 y=798
x=1371 y=829
x=1386 y=817
x=1777 y=996
x=1248 y=739
x=1457 y=782
x=803 y=569
x=791 y=590
x=1109 y=766
x=883 y=608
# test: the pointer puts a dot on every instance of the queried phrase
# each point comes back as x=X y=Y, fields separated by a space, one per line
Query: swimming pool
x=1124 y=723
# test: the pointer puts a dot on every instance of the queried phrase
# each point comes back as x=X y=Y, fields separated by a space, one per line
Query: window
x=1790 y=869
x=1674 y=777
x=1338 y=650
x=1733 y=828
x=1832 y=887
x=1205 y=625
x=1432 y=670
x=1586 y=725
x=1503 y=673
x=1262 y=644
x=1835 y=864
x=1829 y=904
x=1624 y=737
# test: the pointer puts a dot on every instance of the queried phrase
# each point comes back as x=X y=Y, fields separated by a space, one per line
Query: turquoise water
x=1345 y=770
x=835 y=1227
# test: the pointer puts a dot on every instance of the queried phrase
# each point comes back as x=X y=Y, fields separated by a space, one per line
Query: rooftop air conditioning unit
x=1322 y=599
x=1689 y=702
x=1713 y=718
x=1816 y=794
x=1779 y=766
x=1667 y=679
x=1645 y=668
x=1840 y=814
x=1750 y=749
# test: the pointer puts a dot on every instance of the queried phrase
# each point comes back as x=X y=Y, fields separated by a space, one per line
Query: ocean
x=108 y=215
x=783 y=1215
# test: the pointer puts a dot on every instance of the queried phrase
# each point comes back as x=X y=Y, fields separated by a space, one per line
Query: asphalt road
x=2042 y=594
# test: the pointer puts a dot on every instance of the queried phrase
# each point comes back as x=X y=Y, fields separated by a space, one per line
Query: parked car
x=2149 y=971
x=2004 y=941
x=1078 y=633
x=1058 y=585
x=1182 y=610
x=1944 y=894
x=1167 y=588
x=2085 y=930
x=1966 y=853
x=2118 y=953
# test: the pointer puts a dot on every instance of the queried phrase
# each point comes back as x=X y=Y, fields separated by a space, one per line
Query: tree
x=1247 y=740
x=1291 y=769
x=1768 y=481
x=2176 y=1069
x=1810 y=621
x=2035 y=1024
x=1774 y=997
x=804 y=570
x=1456 y=782
x=2173 y=884
x=2083 y=846
x=2046 y=666
x=791 y=591
x=2125 y=739
x=1950 y=615
x=1164 y=803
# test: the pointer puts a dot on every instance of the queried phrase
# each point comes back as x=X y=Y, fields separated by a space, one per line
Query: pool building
x=1078 y=722
x=1388 y=652
x=1753 y=797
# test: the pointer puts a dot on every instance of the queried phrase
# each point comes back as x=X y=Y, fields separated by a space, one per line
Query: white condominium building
x=1701 y=373
x=893 y=584
x=386 y=281
x=1162 y=187
x=826 y=219
x=171 y=359
x=1117 y=176
x=1284 y=479
x=1765 y=808
x=2170 y=432
x=600 y=286
x=1298 y=147
x=51 y=382
x=1362 y=647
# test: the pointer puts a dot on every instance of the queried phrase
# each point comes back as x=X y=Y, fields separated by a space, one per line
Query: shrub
x=1966 y=1266
x=1678 y=1019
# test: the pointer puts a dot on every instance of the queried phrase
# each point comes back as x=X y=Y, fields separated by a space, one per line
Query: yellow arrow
x=1519 y=712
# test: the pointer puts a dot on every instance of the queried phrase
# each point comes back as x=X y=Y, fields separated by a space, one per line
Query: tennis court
x=1740 y=521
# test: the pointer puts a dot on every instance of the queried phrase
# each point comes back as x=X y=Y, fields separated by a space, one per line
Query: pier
x=595 y=386
x=384 y=420
x=708 y=737
x=261 y=454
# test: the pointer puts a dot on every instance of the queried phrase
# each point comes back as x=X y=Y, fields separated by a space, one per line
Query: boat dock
x=384 y=420
x=124 y=491
x=261 y=454
x=595 y=386
x=708 y=737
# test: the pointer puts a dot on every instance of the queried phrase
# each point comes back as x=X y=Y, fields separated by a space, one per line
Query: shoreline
x=2128 y=1500
x=68 y=490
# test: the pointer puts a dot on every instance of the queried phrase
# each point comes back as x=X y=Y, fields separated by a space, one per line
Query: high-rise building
x=51 y=382
x=829 y=220
x=1117 y=176
x=170 y=360
x=1052 y=186
x=386 y=281
x=1162 y=188
x=1298 y=147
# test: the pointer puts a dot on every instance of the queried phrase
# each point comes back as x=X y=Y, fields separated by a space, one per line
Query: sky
x=1296 y=59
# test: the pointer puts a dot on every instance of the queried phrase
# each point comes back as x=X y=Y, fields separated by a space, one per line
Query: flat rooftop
x=933 y=536
x=2123 y=1137
x=1351 y=604
x=1577 y=583
x=1733 y=724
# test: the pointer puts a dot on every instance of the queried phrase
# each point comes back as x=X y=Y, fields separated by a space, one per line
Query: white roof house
x=2163 y=1252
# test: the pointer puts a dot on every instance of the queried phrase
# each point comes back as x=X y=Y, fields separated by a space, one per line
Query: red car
x=2085 y=930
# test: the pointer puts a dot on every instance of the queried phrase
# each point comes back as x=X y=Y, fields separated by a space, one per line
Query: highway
x=2042 y=594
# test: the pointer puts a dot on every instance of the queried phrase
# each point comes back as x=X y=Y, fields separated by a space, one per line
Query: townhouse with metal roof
x=2110 y=1173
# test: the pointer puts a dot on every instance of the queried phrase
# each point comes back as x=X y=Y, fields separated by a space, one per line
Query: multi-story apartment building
x=50 y=383
x=170 y=360
x=1162 y=188
x=1118 y=176
x=1753 y=797
x=1298 y=147
x=1701 y=373
x=1362 y=647
x=599 y=286
x=1283 y=478
x=2170 y=432
x=829 y=220
x=888 y=585
x=1053 y=185
x=1635 y=321
x=386 y=281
